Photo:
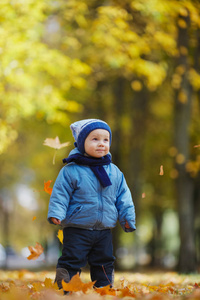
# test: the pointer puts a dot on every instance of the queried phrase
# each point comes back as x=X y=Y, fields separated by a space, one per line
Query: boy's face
x=97 y=143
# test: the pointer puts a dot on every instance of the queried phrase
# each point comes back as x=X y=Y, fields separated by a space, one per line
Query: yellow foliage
x=193 y=167
x=183 y=12
x=34 y=77
x=180 y=69
x=167 y=41
x=174 y=173
x=182 y=23
x=180 y=158
x=7 y=135
x=176 y=81
x=183 y=50
x=136 y=85
x=194 y=79
x=182 y=96
x=172 y=151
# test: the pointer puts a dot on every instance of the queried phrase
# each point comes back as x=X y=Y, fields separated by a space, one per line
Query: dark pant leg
x=76 y=246
x=101 y=259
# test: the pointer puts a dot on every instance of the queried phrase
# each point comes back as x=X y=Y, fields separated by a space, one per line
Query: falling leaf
x=60 y=235
x=34 y=218
x=76 y=285
x=197 y=146
x=35 y=251
x=47 y=189
x=143 y=195
x=55 y=143
x=161 y=170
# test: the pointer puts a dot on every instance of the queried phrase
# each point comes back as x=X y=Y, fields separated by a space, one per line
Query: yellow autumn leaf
x=60 y=235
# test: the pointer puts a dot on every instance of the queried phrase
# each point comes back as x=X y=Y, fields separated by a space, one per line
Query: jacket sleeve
x=60 y=197
x=125 y=206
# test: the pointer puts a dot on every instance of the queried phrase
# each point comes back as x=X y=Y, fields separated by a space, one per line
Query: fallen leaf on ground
x=35 y=251
x=26 y=285
x=76 y=285
x=106 y=290
x=126 y=292
x=48 y=283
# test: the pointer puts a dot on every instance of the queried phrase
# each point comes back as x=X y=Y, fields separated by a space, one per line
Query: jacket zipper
x=100 y=209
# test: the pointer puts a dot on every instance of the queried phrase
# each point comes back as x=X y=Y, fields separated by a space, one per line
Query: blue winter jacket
x=79 y=200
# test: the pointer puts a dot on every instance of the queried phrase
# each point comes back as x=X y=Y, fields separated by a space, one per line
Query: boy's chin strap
x=95 y=164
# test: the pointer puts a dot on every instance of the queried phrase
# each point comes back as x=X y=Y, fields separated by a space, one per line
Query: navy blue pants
x=93 y=246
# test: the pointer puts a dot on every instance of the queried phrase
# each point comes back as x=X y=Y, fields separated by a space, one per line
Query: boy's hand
x=126 y=225
x=55 y=221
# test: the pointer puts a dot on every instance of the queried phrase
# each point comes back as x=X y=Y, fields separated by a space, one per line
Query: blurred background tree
x=134 y=64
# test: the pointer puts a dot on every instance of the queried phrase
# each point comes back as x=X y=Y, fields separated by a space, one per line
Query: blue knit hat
x=81 y=130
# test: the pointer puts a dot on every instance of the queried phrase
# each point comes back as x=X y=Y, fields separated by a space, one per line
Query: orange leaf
x=60 y=235
x=197 y=146
x=55 y=143
x=106 y=290
x=125 y=292
x=34 y=218
x=37 y=286
x=161 y=170
x=35 y=251
x=76 y=285
x=49 y=284
x=47 y=189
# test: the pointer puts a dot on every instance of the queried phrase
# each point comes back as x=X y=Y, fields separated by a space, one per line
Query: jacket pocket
x=74 y=213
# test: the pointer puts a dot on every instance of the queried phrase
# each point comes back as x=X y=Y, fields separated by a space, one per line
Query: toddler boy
x=89 y=196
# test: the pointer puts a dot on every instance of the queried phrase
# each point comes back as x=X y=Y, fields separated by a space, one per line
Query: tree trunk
x=138 y=115
x=184 y=184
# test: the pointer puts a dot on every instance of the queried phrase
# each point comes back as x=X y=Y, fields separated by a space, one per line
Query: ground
x=23 y=284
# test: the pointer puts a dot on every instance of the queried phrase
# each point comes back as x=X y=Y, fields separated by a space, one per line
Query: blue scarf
x=95 y=164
